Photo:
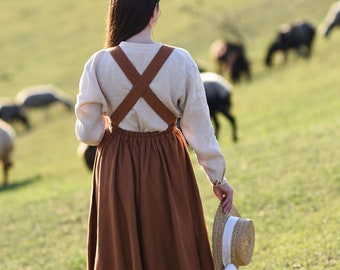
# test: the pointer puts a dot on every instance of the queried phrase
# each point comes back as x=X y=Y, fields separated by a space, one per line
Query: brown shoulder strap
x=141 y=85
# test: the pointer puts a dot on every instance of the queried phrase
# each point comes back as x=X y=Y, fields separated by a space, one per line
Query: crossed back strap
x=141 y=85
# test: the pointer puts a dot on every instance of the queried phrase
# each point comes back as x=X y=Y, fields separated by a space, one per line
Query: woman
x=146 y=211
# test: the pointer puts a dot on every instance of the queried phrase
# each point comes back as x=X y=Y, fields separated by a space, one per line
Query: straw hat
x=232 y=240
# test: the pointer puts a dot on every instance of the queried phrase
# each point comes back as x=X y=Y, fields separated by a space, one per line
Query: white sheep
x=7 y=137
x=331 y=20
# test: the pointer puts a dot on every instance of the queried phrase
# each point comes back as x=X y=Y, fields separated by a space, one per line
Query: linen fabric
x=178 y=85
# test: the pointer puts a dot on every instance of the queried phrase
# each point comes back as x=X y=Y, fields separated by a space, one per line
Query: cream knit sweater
x=178 y=85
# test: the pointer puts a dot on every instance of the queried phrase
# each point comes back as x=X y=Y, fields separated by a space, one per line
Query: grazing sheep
x=332 y=19
x=299 y=36
x=88 y=152
x=11 y=112
x=231 y=56
x=7 y=136
x=42 y=96
x=218 y=92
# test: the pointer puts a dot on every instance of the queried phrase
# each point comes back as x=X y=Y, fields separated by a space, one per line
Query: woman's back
x=173 y=85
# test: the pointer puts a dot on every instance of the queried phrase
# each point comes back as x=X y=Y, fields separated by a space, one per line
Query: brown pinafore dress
x=146 y=211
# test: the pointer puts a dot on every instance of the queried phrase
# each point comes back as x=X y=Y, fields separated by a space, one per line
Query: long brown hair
x=126 y=18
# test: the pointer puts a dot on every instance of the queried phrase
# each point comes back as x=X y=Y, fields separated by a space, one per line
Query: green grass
x=284 y=170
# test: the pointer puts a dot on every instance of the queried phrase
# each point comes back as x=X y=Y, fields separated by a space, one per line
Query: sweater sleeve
x=198 y=130
x=90 y=105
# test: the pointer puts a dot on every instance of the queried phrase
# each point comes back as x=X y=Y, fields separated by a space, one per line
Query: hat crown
x=242 y=242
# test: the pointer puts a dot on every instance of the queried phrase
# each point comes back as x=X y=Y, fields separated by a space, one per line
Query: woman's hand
x=107 y=121
x=225 y=194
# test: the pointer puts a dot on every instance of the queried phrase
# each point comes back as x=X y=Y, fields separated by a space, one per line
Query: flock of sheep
x=39 y=96
x=232 y=57
x=218 y=90
x=298 y=36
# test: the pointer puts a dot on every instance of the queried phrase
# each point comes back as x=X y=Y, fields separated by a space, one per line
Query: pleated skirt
x=146 y=212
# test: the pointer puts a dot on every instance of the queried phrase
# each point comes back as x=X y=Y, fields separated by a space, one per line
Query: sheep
x=331 y=20
x=219 y=92
x=7 y=137
x=233 y=57
x=42 y=96
x=11 y=112
x=87 y=152
x=298 y=36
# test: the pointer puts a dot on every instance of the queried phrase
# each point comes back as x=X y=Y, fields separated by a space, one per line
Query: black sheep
x=231 y=56
x=42 y=96
x=298 y=36
x=88 y=152
x=218 y=92
x=11 y=112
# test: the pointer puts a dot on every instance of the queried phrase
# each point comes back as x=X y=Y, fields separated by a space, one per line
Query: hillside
x=285 y=168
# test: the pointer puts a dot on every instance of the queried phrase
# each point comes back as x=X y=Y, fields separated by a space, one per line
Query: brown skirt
x=146 y=212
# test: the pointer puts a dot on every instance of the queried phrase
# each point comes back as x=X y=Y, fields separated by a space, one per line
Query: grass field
x=284 y=170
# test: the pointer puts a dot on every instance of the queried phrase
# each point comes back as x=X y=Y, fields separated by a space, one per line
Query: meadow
x=284 y=169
